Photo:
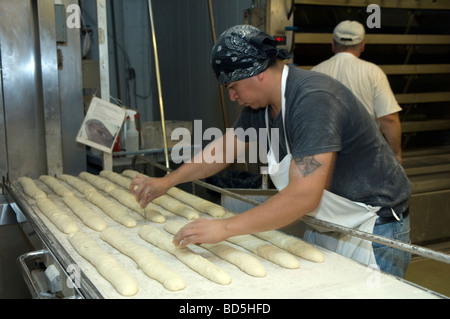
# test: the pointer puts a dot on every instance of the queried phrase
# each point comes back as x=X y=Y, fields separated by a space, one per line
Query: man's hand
x=147 y=189
x=201 y=231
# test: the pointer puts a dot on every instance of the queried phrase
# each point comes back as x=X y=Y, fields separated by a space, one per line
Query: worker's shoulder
x=370 y=65
x=300 y=75
x=303 y=82
x=348 y=61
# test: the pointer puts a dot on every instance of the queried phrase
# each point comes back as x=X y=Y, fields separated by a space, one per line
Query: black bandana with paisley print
x=244 y=51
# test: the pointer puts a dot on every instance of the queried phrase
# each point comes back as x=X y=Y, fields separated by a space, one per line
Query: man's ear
x=363 y=46
x=260 y=76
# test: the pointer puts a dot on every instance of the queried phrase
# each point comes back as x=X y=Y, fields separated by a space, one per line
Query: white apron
x=332 y=208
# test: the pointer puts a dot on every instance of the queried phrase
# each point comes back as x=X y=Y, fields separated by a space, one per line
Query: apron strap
x=283 y=109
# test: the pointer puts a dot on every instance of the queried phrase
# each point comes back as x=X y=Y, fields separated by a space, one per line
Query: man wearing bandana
x=333 y=162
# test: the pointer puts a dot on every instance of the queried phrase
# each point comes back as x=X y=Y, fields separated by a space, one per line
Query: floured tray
x=336 y=277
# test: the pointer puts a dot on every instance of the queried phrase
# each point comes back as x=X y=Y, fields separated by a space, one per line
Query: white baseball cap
x=349 y=33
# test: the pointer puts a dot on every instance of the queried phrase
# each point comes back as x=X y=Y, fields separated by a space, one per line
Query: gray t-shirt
x=322 y=115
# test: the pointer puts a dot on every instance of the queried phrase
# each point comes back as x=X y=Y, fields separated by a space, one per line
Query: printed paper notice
x=102 y=125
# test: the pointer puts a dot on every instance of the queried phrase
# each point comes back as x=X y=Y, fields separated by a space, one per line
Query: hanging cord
x=291 y=10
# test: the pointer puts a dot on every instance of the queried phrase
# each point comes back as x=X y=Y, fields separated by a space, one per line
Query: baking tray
x=336 y=277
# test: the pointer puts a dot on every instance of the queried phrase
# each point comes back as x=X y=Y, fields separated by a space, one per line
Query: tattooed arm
x=308 y=177
x=307 y=165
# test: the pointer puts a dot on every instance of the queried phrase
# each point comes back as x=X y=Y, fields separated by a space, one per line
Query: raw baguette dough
x=198 y=203
x=55 y=185
x=117 y=178
x=106 y=265
x=175 y=206
x=168 y=202
x=30 y=188
x=99 y=182
x=89 y=217
x=111 y=209
x=80 y=185
x=159 y=209
x=60 y=219
x=246 y=262
x=131 y=173
x=265 y=250
x=127 y=199
x=293 y=245
x=196 y=262
x=152 y=211
x=149 y=263
x=182 y=197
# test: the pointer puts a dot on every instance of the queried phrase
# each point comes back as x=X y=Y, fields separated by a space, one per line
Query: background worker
x=366 y=80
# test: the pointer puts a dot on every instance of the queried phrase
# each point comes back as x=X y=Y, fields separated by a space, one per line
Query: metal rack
x=411 y=42
x=411 y=46
x=413 y=249
x=50 y=249
x=338 y=276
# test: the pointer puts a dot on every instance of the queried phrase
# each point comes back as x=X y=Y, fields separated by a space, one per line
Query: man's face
x=247 y=92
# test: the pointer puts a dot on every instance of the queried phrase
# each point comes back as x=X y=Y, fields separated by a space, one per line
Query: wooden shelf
x=403 y=4
x=422 y=126
x=394 y=39
x=429 y=97
x=396 y=69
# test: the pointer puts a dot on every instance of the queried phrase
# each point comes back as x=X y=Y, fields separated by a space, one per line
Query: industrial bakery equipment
x=30 y=146
x=68 y=275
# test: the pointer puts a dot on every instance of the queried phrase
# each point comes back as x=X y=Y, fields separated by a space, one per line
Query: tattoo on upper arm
x=307 y=165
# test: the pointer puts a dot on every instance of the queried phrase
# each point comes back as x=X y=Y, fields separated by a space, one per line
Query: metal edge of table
x=86 y=289
x=421 y=251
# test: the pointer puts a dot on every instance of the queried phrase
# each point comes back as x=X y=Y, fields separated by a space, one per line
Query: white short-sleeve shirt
x=366 y=80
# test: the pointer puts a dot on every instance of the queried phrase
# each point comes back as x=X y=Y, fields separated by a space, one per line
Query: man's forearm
x=391 y=128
